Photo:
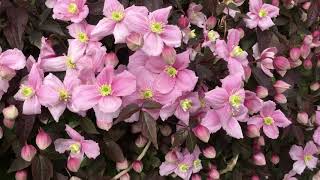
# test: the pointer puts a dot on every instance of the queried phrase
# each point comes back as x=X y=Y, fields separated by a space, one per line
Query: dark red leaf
x=41 y=168
x=113 y=151
x=149 y=127
x=24 y=127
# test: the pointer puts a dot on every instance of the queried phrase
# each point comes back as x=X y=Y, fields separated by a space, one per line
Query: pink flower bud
x=315 y=86
x=294 y=64
x=306 y=5
x=259 y=159
x=195 y=177
x=261 y=92
x=126 y=176
x=305 y=50
x=122 y=165
x=73 y=164
x=43 y=140
x=105 y=125
x=75 y=178
x=302 y=118
x=275 y=159
x=10 y=112
x=8 y=123
x=281 y=63
x=1 y=132
x=307 y=63
x=261 y=141
x=111 y=59
x=307 y=40
x=209 y=152
x=202 y=133
x=28 y=151
x=134 y=41
x=137 y=166
x=171 y=156
x=6 y=73
x=241 y=31
x=141 y=141
x=169 y=55
x=255 y=177
x=275 y=3
x=281 y=86
x=21 y=175
x=183 y=22
x=214 y=173
x=165 y=130
x=211 y=22
x=295 y=53
x=253 y=131
x=280 y=98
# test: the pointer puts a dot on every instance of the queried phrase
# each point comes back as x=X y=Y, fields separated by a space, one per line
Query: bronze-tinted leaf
x=24 y=127
x=149 y=127
x=180 y=137
x=127 y=112
x=41 y=168
x=88 y=126
x=18 y=164
x=113 y=151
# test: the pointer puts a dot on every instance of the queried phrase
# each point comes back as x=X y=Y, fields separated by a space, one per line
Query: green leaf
x=88 y=126
x=18 y=164
x=149 y=128
x=41 y=168
x=113 y=151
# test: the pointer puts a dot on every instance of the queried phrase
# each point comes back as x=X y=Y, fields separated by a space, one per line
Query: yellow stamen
x=212 y=35
x=117 y=16
x=72 y=8
x=307 y=158
x=263 y=13
x=147 y=94
x=27 y=91
x=156 y=27
x=268 y=121
x=192 y=34
x=83 y=37
x=183 y=167
x=235 y=100
x=186 y=104
x=237 y=51
x=197 y=163
x=171 y=71
x=70 y=64
x=64 y=95
x=105 y=90
x=75 y=148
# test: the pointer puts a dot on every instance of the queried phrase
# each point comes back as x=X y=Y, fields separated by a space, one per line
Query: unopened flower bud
x=43 y=140
x=281 y=86
x=211 y=22
x=202 y=133
x=6 y=73
x=305 y=50
x=281 y=63
x=21 y=175
x=307 y=63
x=141 y=141
x=209 y=152
x=306 y=5
x=295 y=53
x=253 y=131
x=122 y=165
x=307 y=40
x=111 y=59
x=262 y=92
x=105 y=125
x=214 y=173
x=165 y=130
x=10 y=112
x=302 y=118
x=169 y=55
x=183 y=22
x=275 y=159
x=75 y=178
x=73 y=164
x=255 y=177
x=280 y=98
x=137 y=166
x=171 y=156
x=195 y=177
x=315 y=86
x=28 y=151
x=134 y=41
x=8 y=123
x=126 y=176
x=259 y=159
x=275 y=3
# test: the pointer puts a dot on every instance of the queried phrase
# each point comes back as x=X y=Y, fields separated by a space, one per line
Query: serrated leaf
x=113 y=151
x=88 y=126
x=41 y=168
x=149 y=128
x=127 y=112
x=18 y=164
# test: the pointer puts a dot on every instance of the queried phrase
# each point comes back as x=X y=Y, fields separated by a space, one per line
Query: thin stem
x=142 y=154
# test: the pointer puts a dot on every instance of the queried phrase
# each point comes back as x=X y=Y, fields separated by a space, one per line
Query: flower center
x=72 y=8
x=186 y=104
x=307 y=158
x=197 y=163
x=105 y=90
x=117 y=16
x=83 y=37
x=263 y=13
x=75 y=148
x=268 y=121
x=171 y=71
x=237 y=51
x=156 y=27
x=235 y=100
x=147 y=94
x=70 y=64
x=183 y=167
x=212 y=35
x=192 y=34
x=27 y=91
x=63 y=95
x=227 y=2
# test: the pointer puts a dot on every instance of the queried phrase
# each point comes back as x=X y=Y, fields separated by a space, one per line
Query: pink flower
x=260 y=15
x=29 y=90
x=252 y=102
x=94 y=58
x=230 y=11
x=57 y=95
x=70 y=10
x=156 y=30
x=290 y=176
x=231 y=52
x=265 y=59
x=116 y=20
x=77 y=146
x=304 y=157
x=210 y=39
x=270 y=119
x=195 y=15
x=104 y=95
x=182 y=108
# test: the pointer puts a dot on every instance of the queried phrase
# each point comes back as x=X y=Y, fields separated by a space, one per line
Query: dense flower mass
x=142 y=89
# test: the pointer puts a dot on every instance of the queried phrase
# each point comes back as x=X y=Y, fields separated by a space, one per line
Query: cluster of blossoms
x=159 y=70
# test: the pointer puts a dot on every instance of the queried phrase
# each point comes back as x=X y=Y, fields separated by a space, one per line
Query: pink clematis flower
x=70 y=10
x=181 y=163
x=77 y=146
x=265 y=59
x=290 y=175
x=304 y=157
x=260 y=15
x=231 y=52
x=173 y=75
x=29 y=90
x=252 y=102
x=230 y=11
x=116 y=20
x=156 y=30
x=104 y=95
x=195 y=15
x=270 y=119
x=94 y=57
x=182 y=108
x=56 y=95
x=210 y=39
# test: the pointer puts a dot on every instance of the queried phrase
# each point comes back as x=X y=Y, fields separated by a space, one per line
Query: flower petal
x=153 y=44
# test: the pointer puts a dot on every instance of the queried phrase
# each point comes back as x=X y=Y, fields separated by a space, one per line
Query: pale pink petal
x=161 y=15
x=57 y=110
x=256 y=120
x=109 y=104
x=280 y=119
x=167 y=111
x=54 y=64
x=182 y=60
x=123 y=84
x=104 y=28
x=268 y=108
x=155 y=64
x=186 y=80
x=48 y=96
x=90 y=148
x=231 y=83
x=182 y=115
x=222 y=49
x=271 y=131
x=137 y=22
x=13 y=58
x=35 y=77
x=296 y=152
x=76 y=28
x=251 y=21
x=62 y=145
x=273 y=11
x=255 y=5
x=316 y=136
x=299 y=166
x=233 y=128
x=211 y=121
x=106 y=76
x=85 y=97
x=217 y=97
x=153 y=44
x=73 y=134
x=265 y=23
x=167 y=168
x=312 y=163
x=164 y=83
x=110 y=6
x=236 y=69
x=310 y=148
x=120 y=33
x=171 y=36
x=233 y=38
x=31 y=106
